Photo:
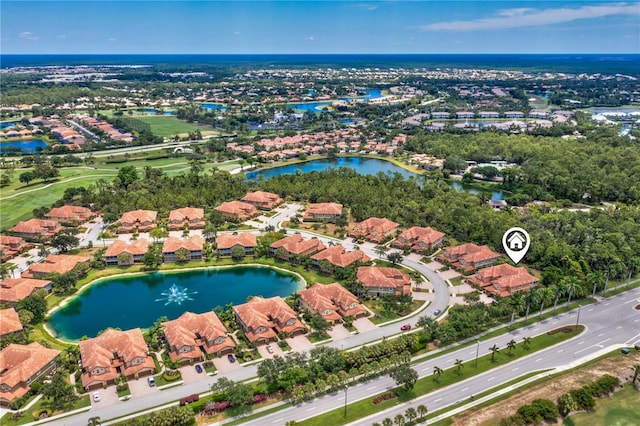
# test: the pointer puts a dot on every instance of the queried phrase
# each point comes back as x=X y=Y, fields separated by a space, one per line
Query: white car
x=96 y=397
x=269 y=349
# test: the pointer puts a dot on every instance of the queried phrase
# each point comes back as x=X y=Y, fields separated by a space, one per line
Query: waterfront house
x=55 y=264
x=295 y=245
x=504 y=280
x=378 y=281
x=245 y=240
x=123 y=253
x=419 y=239
x=237 y=210
x=20 y=366
x=112 y=353
x=190 y=216
x=332 y=302
x=142 y=220
x=191 y=337
x=439 y=115
x=192 y=245
x=263 y=319
x=374 y=229
x=489 y=114
x=13 y=290
x=262 y=200
x=514 y=114
x=323 y=211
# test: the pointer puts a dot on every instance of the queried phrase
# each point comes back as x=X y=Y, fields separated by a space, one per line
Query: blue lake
x=25 y=146
x=311 y=106
x=364 y=166
x=370 y=94
x=6 y=124
x=137 y=301
x=214 y=107
x=152 y=111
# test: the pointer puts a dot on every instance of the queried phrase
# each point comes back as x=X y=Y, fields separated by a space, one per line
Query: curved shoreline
x=47 y=327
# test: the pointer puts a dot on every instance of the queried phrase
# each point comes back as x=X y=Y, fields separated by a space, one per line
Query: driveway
x=339 y=332
x=300 y=343
x=447 y=275
x=108 y=396
x=141 y=387
x=364 y=324
x=190 y=375
x=434 y=266
x=224 y=366
x=262 y=350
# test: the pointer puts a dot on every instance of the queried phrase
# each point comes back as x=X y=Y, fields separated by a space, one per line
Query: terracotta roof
x=339 y=256
x=269 y=313
x=323 y=209
x=331 y=297
x=136 y=247
x=19 y=364
x=69 y=213
x=139 y=215
x=244 y=239
x=194 y=330
x=417 y=234
x=10 y=241
x=374 y=228
x=471 y=253
x=297 y=245
x=55 y=264
x=186 y=213
x=99 y=353
x=504 y=279
x=9 y=322
x=262 y=198
x=374 y=276
x=237 y=209
x=193 y=243
x=36 y=226
x=13 y=290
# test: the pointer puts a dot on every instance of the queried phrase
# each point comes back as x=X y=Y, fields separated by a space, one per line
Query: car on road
x=96 y=397
x=437 y=312
x=270 y=349
x=405 y=327
x=231 y=358
x=198 y=368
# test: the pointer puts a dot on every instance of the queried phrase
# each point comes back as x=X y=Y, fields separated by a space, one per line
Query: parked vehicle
x=231 y=358
x=405 y=327
x=151 y=381
x=96 y=397
x=198 y=368
x=189 y=399
x=270 y=349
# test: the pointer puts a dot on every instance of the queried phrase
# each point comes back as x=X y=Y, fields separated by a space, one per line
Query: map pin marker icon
x=516 y=242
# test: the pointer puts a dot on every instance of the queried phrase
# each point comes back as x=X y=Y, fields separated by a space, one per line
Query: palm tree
x=636 y=372
x=517 y=302
x=494 y=350
x=545 y=295
x=399 y=420
x=437 y=371
x=530 y=298
x=597 y=278
x=459 y=365
x=422 y=410
x=93 y=421
x=380 y=251
x=511 y=346
x=573 y=287
x=387 y=422
x=633 y=264
x=526 y=341
x=411 y=414
x=559 y=289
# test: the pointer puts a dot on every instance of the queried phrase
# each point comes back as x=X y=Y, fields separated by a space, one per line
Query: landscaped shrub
x=171 y=375
x=384 y=397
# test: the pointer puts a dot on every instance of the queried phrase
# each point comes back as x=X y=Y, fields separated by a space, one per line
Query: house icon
x=516 y=241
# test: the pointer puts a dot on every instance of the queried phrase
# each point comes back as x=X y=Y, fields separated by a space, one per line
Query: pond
x=137 y=301
x=311 y=106
x=6 y=124
x=364 y=166
x=214 y=107
x=25 y=146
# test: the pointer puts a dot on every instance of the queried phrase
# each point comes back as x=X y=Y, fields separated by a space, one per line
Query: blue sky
x=126 y=26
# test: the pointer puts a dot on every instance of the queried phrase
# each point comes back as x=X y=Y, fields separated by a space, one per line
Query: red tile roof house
x=142 y=220
x=420 y=239
x=294 y=245
x=9 y=323
x=111 y=353
x=331 y=301
x=191 y=336
x=122 y=253
x=469 y=257
x=262 y=200
x=36 y=229
x=245 y=240
x=191 y=216
x=337 y=256
x=374 y=229
x=323 y=211
x=262 y=319
x=70 y=215
x=54 y=264
x=380 y=281
x=194 y=245
x=21 y=365
x=12 y=246
x=237 y=210
x=504 y=280
x=13 y=290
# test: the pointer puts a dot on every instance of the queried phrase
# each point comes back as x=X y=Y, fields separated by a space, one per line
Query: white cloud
x=61 y=36
x=236 y=33
x=367 y=6
x=311 y=38
x=112 y=39
x=529 y=17
x=28 y=35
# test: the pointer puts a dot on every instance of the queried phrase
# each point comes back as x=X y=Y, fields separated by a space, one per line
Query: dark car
x=231 y=358
x=198 y=368
x=437 y=312
x=406 y=327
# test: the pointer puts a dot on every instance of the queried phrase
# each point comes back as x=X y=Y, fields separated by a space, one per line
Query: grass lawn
x=619 y=410
x=382 y=315
x=6 y=420
x=167 y=125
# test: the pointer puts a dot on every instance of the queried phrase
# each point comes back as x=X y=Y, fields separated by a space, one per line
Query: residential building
x=440 y=115
x=465 y=114
x=142 y=220
x=263 y=319
x=504 y=280
x=237 y=210
x=245 y=240
x=187 y=216
x=374 y=229
x=514 y=114
x=262 y=200
x=191 y=336
x=111 y=353
x=419 y=239
x=323 y=211
x=9 y=323
x=13 y=290
x=36 y=229
x=70 y=215
x=194 y=245
x=469 y=256
x=379 y=281
x=332 y=302
x=295 y=245
x=54 y=264
x=337 y=257
x=123 y=253
x=12 y=246
x=21 y=365
x=489 y=114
